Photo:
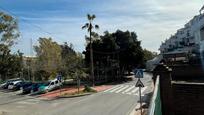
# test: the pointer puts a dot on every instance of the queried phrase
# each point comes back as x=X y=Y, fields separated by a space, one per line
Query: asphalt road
x=121 y=99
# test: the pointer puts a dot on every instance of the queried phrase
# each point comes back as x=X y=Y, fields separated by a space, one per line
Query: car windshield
x=19 y=83
x=11 y=83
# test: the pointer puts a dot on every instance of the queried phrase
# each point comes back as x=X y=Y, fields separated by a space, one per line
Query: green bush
x=1 y=81
x=88 y=89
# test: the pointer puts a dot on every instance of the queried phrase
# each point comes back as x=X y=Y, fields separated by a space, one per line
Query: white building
x=191 y=37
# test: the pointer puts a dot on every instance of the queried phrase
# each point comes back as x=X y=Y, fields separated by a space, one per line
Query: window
x=52 y=83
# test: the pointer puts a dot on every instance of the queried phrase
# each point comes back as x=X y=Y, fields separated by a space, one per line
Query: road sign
x=138 y=73
x=59 y=77
x=139 y=83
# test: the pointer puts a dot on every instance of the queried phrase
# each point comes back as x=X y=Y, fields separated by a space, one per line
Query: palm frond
x=89 y=17
x=85 y=26
x=93 y=16
x=97 y=26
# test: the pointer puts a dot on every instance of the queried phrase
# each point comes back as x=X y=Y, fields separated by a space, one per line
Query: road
x=121 y=99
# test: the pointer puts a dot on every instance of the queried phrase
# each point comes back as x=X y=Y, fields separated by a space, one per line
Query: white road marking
x=112 y=88
x=116 y=88
x=133 y=91
x=142 y=91
x=126 y=86
x=128 y=89
x=25 y=102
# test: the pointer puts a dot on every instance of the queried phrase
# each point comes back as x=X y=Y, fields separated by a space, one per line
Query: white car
x=11 y=85
x=53 y=84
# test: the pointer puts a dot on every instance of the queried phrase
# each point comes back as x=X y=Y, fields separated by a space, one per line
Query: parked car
x=12 y=84
x=32 y=88
x=52 y=85
x=6 y=84
x=21 y=85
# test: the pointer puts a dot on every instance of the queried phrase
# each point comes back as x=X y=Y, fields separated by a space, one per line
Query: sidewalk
x=145 y=103
x=137 y=111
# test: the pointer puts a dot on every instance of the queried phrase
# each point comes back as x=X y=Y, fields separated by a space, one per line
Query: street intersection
x=121 y=99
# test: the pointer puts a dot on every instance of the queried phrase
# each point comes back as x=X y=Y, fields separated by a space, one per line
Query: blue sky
x=152 y=20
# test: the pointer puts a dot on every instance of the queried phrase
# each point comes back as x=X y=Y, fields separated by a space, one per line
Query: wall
x=188 y=98
x=184 y=95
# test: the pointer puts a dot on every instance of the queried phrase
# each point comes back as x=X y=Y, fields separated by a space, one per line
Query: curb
x=72 y=96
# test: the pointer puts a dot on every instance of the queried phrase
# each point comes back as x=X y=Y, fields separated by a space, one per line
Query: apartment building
x=189 y=38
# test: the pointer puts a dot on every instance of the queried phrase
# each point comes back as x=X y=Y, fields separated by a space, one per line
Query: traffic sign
x=139 y=83
x=138 y=73
x=59 y=77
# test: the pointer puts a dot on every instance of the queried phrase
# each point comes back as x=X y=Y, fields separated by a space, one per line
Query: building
x=185 y=46
x=190 y=37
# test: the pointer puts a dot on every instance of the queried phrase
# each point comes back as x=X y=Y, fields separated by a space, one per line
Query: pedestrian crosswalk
x=125 y=89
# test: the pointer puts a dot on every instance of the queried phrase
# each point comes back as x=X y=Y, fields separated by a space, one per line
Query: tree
x=148 y=55
x=69 y=60
x=131 y=55
x=118 y=51
x=89 y=26
x=8 y=29
x=9 y=63
x=48 y=57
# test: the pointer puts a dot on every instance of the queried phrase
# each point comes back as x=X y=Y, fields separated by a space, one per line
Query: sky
x=152 y=20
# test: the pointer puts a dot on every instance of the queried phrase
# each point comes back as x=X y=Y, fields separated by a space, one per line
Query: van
x=51 y=85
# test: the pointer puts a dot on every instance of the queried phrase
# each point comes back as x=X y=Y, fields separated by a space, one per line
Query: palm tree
x=89 y=26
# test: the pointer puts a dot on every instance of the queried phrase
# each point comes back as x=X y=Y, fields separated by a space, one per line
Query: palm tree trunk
x=91 y=59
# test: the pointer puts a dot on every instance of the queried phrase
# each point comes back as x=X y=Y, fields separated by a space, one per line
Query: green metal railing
x=155 y=106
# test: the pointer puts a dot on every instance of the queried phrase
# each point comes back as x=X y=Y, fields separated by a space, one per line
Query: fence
x=155 y=105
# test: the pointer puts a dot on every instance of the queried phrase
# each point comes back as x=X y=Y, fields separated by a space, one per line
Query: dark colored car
x=33 y=88
x=22 y=85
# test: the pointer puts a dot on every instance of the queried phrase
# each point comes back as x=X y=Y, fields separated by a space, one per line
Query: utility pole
x=31 y=54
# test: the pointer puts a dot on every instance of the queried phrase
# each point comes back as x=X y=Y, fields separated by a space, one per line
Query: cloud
x=152 y=20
